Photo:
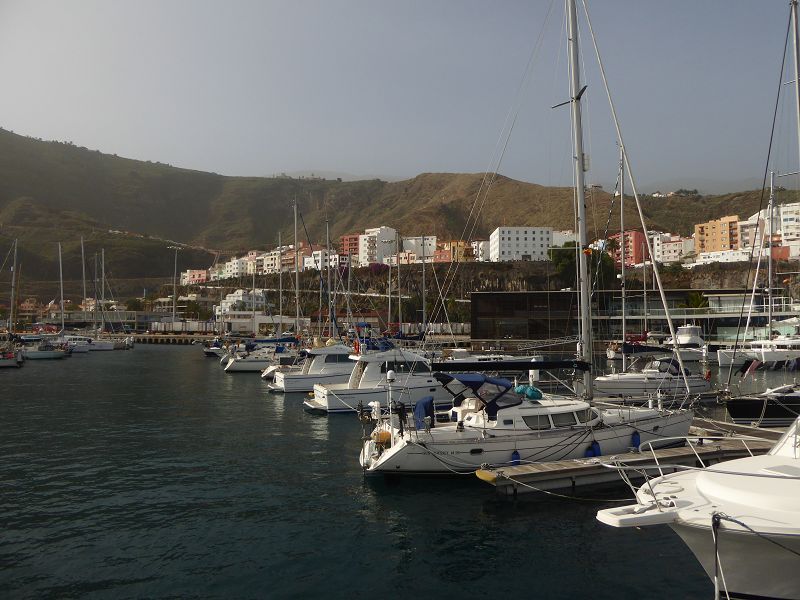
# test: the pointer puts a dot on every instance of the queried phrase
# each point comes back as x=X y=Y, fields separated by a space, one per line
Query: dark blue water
x=152 y=473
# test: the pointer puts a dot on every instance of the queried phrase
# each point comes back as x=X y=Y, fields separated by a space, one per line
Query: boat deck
x=570 y=475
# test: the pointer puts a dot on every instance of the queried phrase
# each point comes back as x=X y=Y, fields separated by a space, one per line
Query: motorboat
x=660 y=376
x=492 y=422
x=778 y=349
x=325 y=365
x=259 y=359
x=688 y=342
x=214 y=349
x=740 y=518
x=777 y=407
x=368 y=383
x=43 y=349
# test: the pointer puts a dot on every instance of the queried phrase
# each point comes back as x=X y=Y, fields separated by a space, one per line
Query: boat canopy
x=475 y=381
x=667 y=365
x=424 y=408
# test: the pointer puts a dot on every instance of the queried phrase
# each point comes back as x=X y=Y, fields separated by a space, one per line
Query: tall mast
x=644 y=289
x=424 y=314
x=622 y=249
x=399 y=305
x=585 y=346
x=61 y=285
x=255 y=330
x=769 y=249
x=296 y=275
x=389 y=295
x=331 y=316
x=83 y=278
x=280 y=286
x=796 y=47
x=94 y=307
x=174 y=287
x=103 y=289
x=13 y=289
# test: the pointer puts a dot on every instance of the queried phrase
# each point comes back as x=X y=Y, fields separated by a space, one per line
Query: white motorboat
x=43 y=350
x=495 y=425
x=325 y=366
x=690 y=343
x=662 y=376
x=78 y=344
x=367 y=383
x=740 y=518
x=259 y=359
x=778 y=349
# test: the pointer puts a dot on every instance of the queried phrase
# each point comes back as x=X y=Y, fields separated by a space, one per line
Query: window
x=537 y=422
x=563 y=419
x=584 y=415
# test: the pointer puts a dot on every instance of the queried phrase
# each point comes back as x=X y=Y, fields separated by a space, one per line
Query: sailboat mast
x=296 y=275
x=796 y=47
x=61 y=285
x=255 y=329
x=585 y=346
x=424 y=315
x=328 y=251
x=622 y=249
x=399 y=305
x=280 y=285
x=644 y=289
x=83 y=278
x=103 y=289
x=769 y=249
x=13 y=290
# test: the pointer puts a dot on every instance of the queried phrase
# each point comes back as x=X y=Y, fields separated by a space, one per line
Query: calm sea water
x=152 y=473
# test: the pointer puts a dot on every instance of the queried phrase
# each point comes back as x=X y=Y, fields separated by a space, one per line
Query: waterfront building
x=520 y=243
x=480 y=249
x=635 y=247
x=194 y=276
x=376 y=244
x=717 y=235
x=419 y=245
x=670 y=247
x=236 y=267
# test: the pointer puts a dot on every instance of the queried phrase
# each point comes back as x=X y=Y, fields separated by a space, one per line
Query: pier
x=567 y=476
x=172 y=338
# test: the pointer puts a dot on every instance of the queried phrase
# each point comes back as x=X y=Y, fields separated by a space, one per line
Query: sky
x=394 y=88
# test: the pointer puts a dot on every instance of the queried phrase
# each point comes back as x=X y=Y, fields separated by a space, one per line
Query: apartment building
x=717 y=235
x=520 y=243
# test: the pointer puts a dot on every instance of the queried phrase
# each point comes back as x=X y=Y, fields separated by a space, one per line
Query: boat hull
x=422 y=453
x=305 y=382
x=764 y=411
x=621 y=385
x=44 y=354
x=345 y=400
x=754 y=567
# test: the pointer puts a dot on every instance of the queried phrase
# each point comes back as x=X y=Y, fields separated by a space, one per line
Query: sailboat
x=494 y=422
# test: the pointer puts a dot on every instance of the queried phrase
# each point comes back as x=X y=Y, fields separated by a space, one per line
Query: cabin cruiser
x=367 y=383
x=326 y=365
x=492 y=422
x=778 y=349
x=777 y=407
x=39 y=349
x=260 y=358
x=214 y=349
x=658 y=376
x=740 y=518
x=689 y=342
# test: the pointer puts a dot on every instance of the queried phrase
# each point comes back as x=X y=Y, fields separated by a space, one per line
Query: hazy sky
x=395 y=88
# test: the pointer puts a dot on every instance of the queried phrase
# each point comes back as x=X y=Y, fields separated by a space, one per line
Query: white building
x=670 y=247
x=241 y=301
x=415 y=245
x=318 y=260
x=790 y=222
x=520 y=243
x=236 y=267
x=564 y=236
x=723 y=256
x=480 y=250
x=376 y=244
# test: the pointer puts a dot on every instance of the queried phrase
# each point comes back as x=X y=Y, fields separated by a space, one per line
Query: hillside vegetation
x=51 y=191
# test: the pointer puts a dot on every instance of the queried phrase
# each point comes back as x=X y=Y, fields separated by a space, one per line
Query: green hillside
x=51 y=191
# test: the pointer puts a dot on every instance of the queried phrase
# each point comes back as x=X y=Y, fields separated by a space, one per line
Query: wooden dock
x=567 y=476
x=171 y=338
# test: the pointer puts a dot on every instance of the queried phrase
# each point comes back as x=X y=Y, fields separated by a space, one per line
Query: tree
x=134 y=304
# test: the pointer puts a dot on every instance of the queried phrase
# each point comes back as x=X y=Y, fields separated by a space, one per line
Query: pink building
x=194 y=276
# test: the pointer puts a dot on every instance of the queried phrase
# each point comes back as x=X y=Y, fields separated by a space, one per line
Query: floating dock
x=568 y=476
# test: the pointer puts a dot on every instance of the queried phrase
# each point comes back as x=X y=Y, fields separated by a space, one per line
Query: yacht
x=367 y=383
x=658 y=376
x=777 y=407
x=740 y=518
x=43 y=349
x=491 y=423
x=325 y=366
x=690 y=343
x=259 y=359
x=778 y=349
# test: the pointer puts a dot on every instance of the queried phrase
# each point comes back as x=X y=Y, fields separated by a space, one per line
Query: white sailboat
x=491 y=423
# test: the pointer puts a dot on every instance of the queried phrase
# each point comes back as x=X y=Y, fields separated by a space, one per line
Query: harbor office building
x=517 y=318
